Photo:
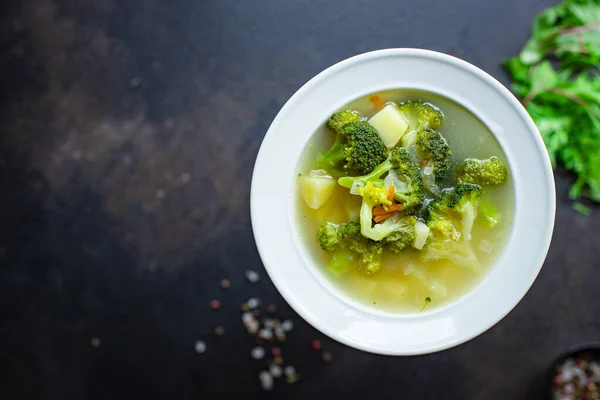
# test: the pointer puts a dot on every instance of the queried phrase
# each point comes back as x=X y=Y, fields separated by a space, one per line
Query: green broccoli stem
x=488 y=213
x=340 y=259
x=348 y=181
x=332 y=157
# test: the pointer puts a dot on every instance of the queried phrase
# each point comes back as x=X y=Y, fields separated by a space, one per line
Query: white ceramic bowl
x=302 y=283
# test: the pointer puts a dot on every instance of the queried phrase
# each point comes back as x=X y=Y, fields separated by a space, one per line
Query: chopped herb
x=427 y=301
x=582 y=209
x=556 y=75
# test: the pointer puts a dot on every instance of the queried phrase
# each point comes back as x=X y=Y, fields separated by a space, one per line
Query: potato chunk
x=315 y=190
x=390 y=124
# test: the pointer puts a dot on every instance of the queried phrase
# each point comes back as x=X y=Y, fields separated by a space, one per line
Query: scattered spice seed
x=225 y=284
x=266 y=380
x=219 y=331
x=269 y=323
x=253 y=302
x=268 y=330
x=215 y=304
x=316 y=345
x=327 y=356
x=200 y=347
x=257 y=353
x=287 y=325
x=280 y=334
x=275 y=370
x=253 y=327
x=265 y=334
x=252 y=276
x=95 y=342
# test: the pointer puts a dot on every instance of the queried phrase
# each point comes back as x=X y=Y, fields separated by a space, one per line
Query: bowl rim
x=514 y=104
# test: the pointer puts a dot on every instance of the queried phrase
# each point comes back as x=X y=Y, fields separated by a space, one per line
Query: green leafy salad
x=556 y=75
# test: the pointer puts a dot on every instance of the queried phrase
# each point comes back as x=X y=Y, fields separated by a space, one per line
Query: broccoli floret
x=430 y=117
x=341 y=118
x=357 y=146
x=482 y=172
x=383 y=229
x=411 y=193
x=421 y=115
x=460 y=203
x=408 y=187
x=488 y=214
x=327 y=236
x=458 y=252
x=403 y=237
x=433 y=148
x=364 y=150
x=346 y=242
x=465 y=200
x=375 y=193
x=444 y=228
x=444 y=241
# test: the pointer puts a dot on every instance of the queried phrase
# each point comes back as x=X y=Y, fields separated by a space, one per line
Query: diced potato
x=393 y=289
x=315 y=190
x=436 y=287
x=421 y=235
x=390 y=123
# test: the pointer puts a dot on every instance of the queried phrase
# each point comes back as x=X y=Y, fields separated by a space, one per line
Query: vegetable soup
x=404 y=200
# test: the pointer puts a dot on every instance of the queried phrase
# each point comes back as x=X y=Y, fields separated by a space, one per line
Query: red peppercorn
x=215 y=304
x=316 y=345
x=276 y=351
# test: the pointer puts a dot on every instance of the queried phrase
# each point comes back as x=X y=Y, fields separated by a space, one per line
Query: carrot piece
x=382 y=217
x=391 y=193
x=390 y=209
x=380 y=210
x=378 y=102
x=424 y=163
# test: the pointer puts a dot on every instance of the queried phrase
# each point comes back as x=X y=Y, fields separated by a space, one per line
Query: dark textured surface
x=128 y=135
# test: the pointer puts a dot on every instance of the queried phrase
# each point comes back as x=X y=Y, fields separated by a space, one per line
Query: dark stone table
x=128 y=135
